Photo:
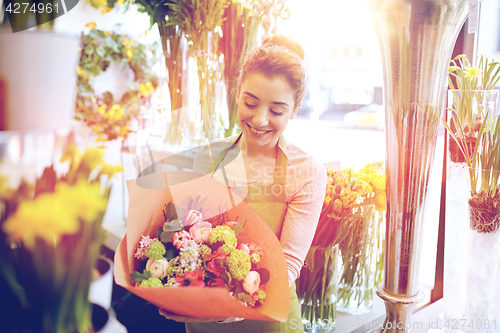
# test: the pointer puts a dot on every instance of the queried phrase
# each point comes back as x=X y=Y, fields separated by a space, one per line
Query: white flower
x=158 y=268
x=251 y=282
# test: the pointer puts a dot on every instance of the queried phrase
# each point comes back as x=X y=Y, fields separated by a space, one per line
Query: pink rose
x=200 y=231
x=251 y=282
x=192 y=217
x=158 y=268
x=180 y=238
x=243 y=247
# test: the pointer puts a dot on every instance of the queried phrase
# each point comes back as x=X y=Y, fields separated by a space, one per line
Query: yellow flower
x=379 y=201
x=48 y=217
x=98 y=3
x=129 y=53
x=145 y=89
x=101 y=110
x=123 y=131
x=92 y=157
x=108 y=33
x=452 y=69
x=126 y=41
x=91 y=25
x=472 y=72
x=96 y=129
x=79 y=70
x=115 y=112
x=120 y=2
x=84 y=198
x=72 y=154
x=110 y=170
x=106 y=10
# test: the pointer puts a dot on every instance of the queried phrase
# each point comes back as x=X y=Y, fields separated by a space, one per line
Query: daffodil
x=472 y=72
x=84 y=198
x=48 y=217
x=92 y=157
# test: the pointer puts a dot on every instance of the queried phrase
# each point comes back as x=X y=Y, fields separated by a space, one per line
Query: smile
x=256 y=131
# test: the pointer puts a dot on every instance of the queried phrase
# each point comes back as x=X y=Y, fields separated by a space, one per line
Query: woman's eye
x=277 y=113
x=249 y=105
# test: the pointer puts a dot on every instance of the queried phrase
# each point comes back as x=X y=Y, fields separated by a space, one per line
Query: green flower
x=261 y=295
x=152 y=282
x=255 y=258
x=239 y=264
x=204 y=250
x=156 y=251
x=224 y=234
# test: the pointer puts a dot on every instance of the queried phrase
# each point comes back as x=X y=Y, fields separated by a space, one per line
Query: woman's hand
x=187 y=319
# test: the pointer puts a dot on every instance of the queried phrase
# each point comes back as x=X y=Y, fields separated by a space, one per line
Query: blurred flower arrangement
x=347 y=221
x=189 y=251
x=50 y=238
x=476 y=135
x=107 y=117
x=107 y=6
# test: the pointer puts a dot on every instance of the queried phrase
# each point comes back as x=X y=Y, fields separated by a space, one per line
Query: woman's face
x=264 y=107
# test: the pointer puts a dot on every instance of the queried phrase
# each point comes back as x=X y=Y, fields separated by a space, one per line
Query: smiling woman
x=282 y=183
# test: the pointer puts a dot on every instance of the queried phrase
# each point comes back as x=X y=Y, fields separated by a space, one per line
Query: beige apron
x=269 y=201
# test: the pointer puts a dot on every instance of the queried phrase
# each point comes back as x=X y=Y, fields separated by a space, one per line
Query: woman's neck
x=252 y=152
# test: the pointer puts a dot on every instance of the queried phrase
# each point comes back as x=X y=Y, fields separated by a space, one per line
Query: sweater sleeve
x=302 y=215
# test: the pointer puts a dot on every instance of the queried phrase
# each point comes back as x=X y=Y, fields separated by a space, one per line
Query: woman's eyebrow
x=253 y=96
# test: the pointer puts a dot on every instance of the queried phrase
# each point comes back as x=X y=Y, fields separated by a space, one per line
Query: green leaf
x=238 y=228
x=138 y=277
x=174 y=225
x=244 y=297
x=100 y=51
x=89 y=50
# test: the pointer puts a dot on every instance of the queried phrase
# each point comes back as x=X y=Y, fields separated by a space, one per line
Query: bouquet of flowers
x=50 y=237
x=178 y=249
x=349 y=201
x=192 y=252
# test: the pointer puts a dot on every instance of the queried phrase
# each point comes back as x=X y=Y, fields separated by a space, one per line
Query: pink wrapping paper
x=145 y=216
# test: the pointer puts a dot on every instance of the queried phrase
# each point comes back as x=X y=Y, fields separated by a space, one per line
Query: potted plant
x=50 y=237
x=474 y=148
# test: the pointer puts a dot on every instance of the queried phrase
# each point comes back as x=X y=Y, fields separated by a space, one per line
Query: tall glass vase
x=470 y=289
x=359 y=262
x=416 y=40
x=317 y=288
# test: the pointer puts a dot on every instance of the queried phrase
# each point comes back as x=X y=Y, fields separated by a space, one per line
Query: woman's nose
x=260 y=117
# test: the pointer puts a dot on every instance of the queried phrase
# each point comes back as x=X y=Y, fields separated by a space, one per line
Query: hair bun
x=286 y=42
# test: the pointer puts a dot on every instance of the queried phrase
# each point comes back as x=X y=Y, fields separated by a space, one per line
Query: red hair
x=278 y=56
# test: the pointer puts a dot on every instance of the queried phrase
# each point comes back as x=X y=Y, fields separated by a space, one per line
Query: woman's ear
x=294 y=112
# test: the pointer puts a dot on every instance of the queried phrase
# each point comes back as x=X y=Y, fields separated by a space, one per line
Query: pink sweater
x=305 y=192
